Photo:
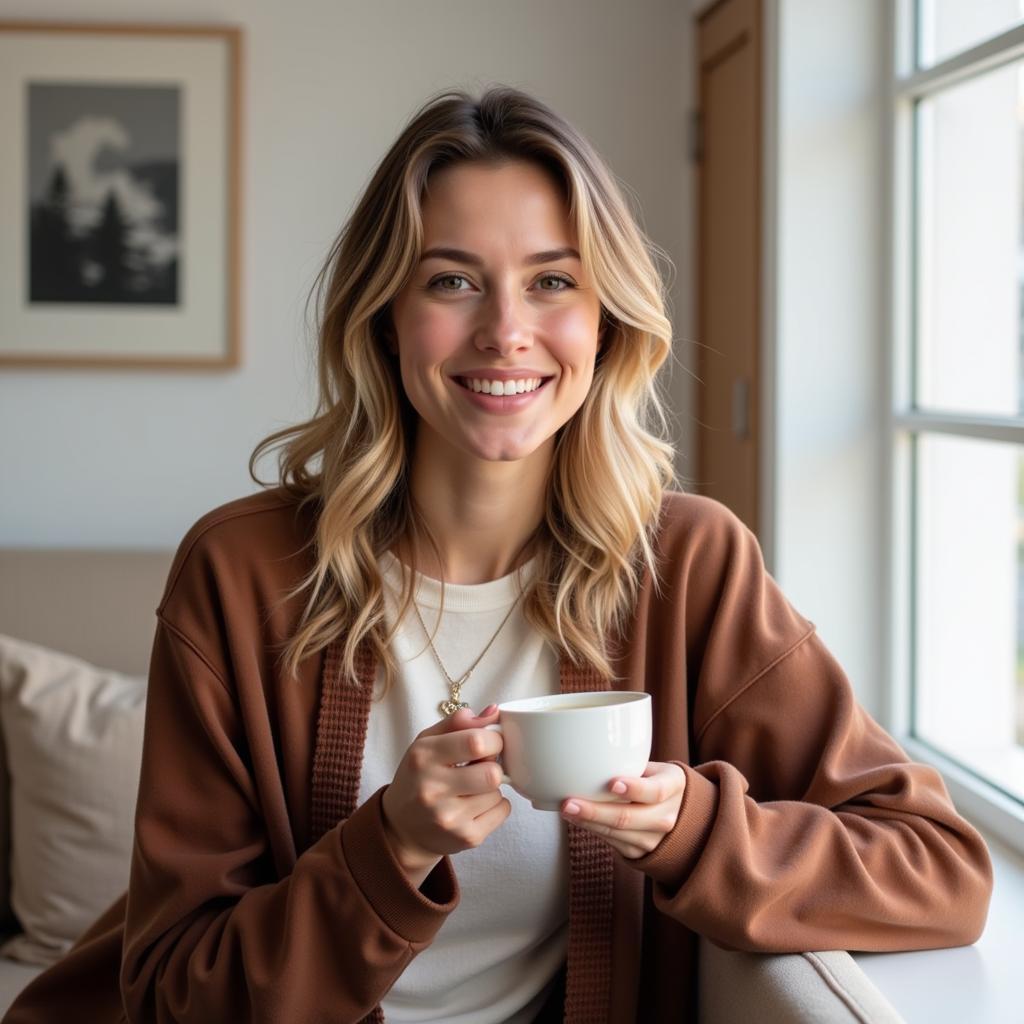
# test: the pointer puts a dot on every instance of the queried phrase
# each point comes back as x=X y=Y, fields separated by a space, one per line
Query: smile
x=498 y=387
x=500 y=403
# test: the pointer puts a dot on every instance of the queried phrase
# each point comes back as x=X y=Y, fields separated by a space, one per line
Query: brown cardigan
x=259 y=891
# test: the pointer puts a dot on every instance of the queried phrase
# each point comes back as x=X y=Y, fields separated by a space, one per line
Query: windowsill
x=1003 y=765
x=982 y=983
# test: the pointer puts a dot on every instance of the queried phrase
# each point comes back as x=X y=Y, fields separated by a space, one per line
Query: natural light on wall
x=967 y=582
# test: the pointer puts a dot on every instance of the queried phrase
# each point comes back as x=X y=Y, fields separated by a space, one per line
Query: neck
x=481 y=513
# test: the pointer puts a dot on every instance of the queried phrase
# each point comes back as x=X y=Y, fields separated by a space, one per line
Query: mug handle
x=496 y=727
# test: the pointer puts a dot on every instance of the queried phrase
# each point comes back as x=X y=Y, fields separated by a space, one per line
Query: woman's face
x=508 y=301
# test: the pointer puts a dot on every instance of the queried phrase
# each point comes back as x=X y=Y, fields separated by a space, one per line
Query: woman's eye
x=459 y=277
x=557 y=277
x=448 y=277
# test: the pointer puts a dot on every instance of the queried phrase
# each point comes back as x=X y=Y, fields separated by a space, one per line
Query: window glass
x=970 y=246
x=969 y=606
x=946 y=27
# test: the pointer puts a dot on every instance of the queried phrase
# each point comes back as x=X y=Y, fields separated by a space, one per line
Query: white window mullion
x=1008 y=430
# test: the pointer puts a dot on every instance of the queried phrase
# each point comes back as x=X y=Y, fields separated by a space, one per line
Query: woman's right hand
x=437 y=803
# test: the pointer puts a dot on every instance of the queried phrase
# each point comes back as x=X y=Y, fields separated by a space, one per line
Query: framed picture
x=120 y=195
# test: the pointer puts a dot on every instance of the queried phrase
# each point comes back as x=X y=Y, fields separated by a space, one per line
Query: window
x=958 y=393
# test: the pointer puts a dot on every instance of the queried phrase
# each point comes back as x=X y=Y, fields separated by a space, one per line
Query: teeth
x=497 y=387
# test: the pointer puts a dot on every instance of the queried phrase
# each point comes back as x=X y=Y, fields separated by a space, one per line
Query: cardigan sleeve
x=804 y=825
x=211 y=933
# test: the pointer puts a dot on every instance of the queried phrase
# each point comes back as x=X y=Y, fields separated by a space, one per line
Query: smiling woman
x=321 y=831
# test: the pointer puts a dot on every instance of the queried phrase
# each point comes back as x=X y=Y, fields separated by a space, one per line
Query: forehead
x=469 y=201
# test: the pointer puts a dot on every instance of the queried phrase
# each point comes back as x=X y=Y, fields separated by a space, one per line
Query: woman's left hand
x=635 y=828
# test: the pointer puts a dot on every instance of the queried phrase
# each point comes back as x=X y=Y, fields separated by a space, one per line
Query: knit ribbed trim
x=337 y=766
x=338 y=754
x=591 y=879
x=340 y=739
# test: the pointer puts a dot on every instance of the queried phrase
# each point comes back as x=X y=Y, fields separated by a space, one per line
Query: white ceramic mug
x=573 y=744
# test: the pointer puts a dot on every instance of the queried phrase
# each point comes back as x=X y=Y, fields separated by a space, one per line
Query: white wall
x=826 y=324
x=129 y=459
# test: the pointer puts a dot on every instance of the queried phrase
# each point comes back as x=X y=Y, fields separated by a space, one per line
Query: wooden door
x=728 y=38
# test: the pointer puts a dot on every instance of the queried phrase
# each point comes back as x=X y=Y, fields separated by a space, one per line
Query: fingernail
x=619 y=787
x=572 y=808
x=489 y=710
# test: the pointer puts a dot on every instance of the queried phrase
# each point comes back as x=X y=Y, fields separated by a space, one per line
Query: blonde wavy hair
x=351 y=460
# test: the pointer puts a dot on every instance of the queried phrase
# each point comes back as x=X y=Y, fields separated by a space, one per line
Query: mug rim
x=628 y=697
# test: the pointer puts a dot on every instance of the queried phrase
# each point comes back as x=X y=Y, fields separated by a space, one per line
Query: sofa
x=75 y=634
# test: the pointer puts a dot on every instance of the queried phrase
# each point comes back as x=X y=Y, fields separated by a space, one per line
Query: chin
x=492 y=444
x=504 y=452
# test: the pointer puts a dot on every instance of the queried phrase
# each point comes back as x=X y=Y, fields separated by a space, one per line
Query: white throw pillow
x=73 y=734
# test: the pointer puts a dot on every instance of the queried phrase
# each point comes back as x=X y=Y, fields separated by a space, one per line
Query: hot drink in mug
x=573 y=744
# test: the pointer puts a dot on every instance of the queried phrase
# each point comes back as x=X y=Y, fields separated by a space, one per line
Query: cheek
x=431 y=335
x=573 y=335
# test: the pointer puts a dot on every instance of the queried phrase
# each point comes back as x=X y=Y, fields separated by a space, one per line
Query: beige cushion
x=73 y=734
x=826 y=987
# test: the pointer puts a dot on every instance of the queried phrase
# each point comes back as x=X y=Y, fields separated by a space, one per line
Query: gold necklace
x=454 y=702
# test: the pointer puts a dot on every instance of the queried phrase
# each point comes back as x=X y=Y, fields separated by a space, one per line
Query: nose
x=504 y=325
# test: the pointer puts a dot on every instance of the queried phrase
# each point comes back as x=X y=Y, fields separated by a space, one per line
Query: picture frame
x=120 y=197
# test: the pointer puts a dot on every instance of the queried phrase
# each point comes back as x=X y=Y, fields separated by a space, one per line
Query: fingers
x=470 y=820
x=462 y=719
x=464 y=745
x=649 y=813
x=484 y=807
x=631 y=829
x=494 y=816
x=470 y=779
x=623 y=819
x=630 y=844
x=466 y=718
x=660 y=782
x=457 y=763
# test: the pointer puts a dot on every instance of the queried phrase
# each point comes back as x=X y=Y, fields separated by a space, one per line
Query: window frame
x=983 y=802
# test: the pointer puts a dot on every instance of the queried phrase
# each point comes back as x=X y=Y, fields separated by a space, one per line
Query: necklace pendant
x=453 y=703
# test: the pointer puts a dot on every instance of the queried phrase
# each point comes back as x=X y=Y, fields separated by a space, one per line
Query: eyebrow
x=461 y=256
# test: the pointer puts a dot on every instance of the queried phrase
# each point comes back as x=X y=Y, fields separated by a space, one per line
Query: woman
x=321 y=834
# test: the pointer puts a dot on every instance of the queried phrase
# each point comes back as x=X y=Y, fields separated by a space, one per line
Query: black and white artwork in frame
x=104 y=175
x=120 y=195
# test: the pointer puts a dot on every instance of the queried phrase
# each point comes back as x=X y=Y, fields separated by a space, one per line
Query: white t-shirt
x=496 y=957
